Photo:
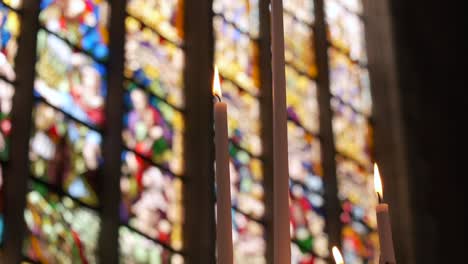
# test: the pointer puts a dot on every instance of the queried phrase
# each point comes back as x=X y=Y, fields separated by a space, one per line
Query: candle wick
x=380 y=198
x=218 y=97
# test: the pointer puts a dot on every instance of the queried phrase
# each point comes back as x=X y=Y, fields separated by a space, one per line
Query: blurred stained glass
x=153 y=128
x=303 y=10
x=304 y=158
x=136 y=249
x=6 y=95
x=151 y=200
x=353 y=133
x=58 y=229
x=70 y=80
x=243 y=106
x=243 y=14
x=16 y=4
x=151 y=209
x=236 y=55
x=356 y=191
x=154 y=63
x=351 y=107
x=9 y=32
x=164 y=16
x=65 y=154
x=302 y=102
x=299 y=50
x=248 y=239
x=82 y=22
x=350 y=82
x=306 y=190
x=6 y=103
x=346 y=30
x=247 y=191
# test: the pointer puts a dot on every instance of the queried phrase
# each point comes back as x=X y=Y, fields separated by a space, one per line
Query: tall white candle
x=384 y=228
x=223 y=203
x=282 y=239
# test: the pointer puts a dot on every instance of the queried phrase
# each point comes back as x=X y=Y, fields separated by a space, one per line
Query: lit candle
x=337 y=256
x=387 y=255
x=223 y=202
x=282 y=239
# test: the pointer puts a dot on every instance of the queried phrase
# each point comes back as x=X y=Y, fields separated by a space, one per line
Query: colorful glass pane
x=164 y=16
x=302 y=100
x=243 y=14
x=354 y=6
x=58 y=229
x=6 y=102
x=6 y=95
x=350 y=82
x=153 y=128
x=299 y=50
x=248 y=239
x=308 y=220
x=298 y=256
x=2 y=221
x=247 y=190
x=70 y=80
x=353 y=133
x=356 y=191
x=136 y=249
x=236 y=55
x=304 y=158
x=303 y=10
x=346 y=30
x=151 y=200
x=65 y=153
x=81 y=22
x=13 y=3
x=243 y=106
x=9 y=33
x=153 y=62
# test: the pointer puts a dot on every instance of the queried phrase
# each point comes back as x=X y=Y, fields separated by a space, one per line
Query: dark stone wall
x=432 y=82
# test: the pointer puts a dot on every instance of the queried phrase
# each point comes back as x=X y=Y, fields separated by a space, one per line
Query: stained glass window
x=236 y=28
x=70 y=80
x=151 y=200
x=65 y=146
x=65 y=153
x=9 y=34
x=151 y=211
x=135 y=248
x=153 y=128
x=60 y=230
x=352 y=129
x=307 y=203
x=83 y=23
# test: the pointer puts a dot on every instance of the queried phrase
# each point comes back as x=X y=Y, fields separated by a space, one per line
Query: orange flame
x=377 y=181
x=217 y=84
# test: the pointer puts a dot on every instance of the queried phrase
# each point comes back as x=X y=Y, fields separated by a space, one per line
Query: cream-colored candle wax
x=223 y=186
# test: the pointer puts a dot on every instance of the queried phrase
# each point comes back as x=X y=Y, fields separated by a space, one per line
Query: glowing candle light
x=337 y=256
x=223 y=203
x=387 y=254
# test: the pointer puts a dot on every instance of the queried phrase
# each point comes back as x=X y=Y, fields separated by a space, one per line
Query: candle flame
x=337 y=256
x=377 y=181
x=217 y=84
